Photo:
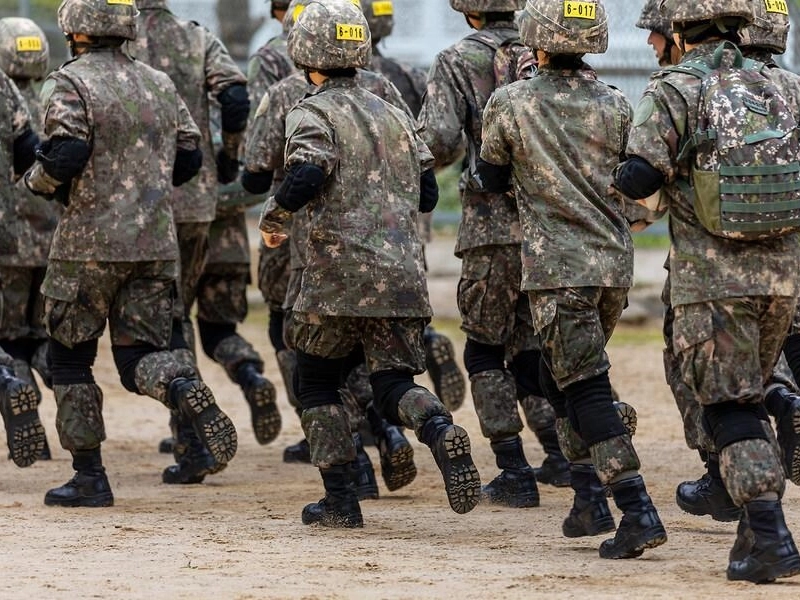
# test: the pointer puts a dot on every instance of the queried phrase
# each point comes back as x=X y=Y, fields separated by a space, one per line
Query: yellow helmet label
x=350 y=33
x=580 y=10
x=296 y=12
x=29 y=43
x=383 y=9
x=123 y=2
x=777 y=6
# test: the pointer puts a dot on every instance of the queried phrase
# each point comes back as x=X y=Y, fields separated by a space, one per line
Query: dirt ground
x=239 y=534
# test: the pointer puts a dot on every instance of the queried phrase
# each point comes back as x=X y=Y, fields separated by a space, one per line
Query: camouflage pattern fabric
x=104 y=200
x=410 y=81
x=460 y=83
x=201 y=67
x=574 y=325
x=359 y=261
x=543 y=127
x=135 y=298
x=267 y=66
x=274 y=273
x=613 y=457
x=572 y=445
x=21 y=304
x=228 y=240
x=6 y=360
x=328 y=433
x=538 y=411
x=193 y=248
x=494 y=393
x=16 y=120
x=157 y=370
x=235 y=350
x=418 y=405
x=389 y=344
x=222 y=293
x=751 y=468
x=79 y=416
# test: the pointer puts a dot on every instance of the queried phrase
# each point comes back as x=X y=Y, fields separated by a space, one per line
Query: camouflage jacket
x=704 y=266
x=364 y=256
x=200 y=67
x=563 y=132
x=267 y=66
x=460 y=83
x=409 y=81
x=35 y=218
x=15 y=120
x=134 y=121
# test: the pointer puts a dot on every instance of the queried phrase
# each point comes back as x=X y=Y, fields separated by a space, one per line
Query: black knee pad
x=594 y=409
x=791 y=349
x=318 y=380
x=176 y=339
x=554 y=396
x=525 y=368
x=127 y=358
x=730 y=422
x=20 y=348
x=353 y=360
x=387 y=389
x=275 y=330
x=483 y=357
x=211 y=334
x=72 y=365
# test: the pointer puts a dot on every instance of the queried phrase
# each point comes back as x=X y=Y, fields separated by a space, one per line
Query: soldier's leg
x=18 y=401
x=575 y=325
x=394 y=352
x=487 y=301
x=221 y=304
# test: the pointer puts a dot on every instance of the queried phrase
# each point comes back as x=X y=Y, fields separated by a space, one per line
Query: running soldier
x=18 y=398
x=24 y=56
x=502 y=350
x=733 y=300
x=577 y=252
x=363 y=282
x=119 y=138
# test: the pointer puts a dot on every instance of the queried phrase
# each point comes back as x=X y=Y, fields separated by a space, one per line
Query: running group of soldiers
x=114 y=213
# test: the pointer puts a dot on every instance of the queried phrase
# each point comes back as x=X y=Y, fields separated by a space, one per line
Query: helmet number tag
x=580 y=10
x=777 y=6
x=350 y=33
x=124 y=2
x=29 y=43
x=382 y=9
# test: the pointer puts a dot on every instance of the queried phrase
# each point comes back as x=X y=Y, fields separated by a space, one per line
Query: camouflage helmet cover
x=99 y=18
x=293 y=10
x=687 y=11
x=770 y=27
x=24 y=52
x=654 y=18
x=380 y=16
x=484 y=6
x=565 y=26
x=330 y=34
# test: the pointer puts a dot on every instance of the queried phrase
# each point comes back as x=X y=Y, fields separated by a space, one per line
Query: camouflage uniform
x=113 y=255
x=18 y=399
x=494 y=313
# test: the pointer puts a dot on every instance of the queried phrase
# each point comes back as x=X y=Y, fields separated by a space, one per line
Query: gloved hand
x=227 y=167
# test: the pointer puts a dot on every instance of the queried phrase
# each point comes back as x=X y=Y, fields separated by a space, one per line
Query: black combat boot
x=24 y=430
x=708 y=495
x=339 y=507
x=590 y=514
x=89 y=486
x=194 y=461
x=640 y=527
x=555 y=467
x=451 y=449
x=745 y=540
x=773 y=554
x=515 y=486
x=298 y=453
x=785 y=407
x=397 y=455
x=260 y=395
x=363 y=472
x=440 y=361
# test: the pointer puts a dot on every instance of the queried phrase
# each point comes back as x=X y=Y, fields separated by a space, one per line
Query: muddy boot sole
x=448 y=381
x=628 y=415
x=212 y=426
x=788 y=430
x=398 y=468
x=264 y=413
x=461 y=480
x=24 y=430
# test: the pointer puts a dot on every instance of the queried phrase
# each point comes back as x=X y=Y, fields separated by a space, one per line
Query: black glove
x=493 y=178
x=227 y=167
x=637 y=178
x=428 y=191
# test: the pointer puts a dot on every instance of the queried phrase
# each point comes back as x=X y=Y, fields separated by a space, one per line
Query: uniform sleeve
x=444 y=111
x=393 y=96
x=65 y=110
x=262 y=74
x=220 y=69
x=266 y=138
x=188 y=132
x=497 y=120
x=309 y=140
x=16 y=108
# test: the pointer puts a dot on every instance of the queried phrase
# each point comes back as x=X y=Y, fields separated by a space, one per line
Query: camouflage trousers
x=136 y=299
x=193 y=246
x=574 y=325
x=21 y=303
x=493 y=309
x=222 y=292
x=273 y=274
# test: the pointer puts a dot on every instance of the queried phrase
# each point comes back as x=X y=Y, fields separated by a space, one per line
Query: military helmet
x=564 y=26
x=688 y=11
x=293 y=10
x=769 y=29
x=24 y=52
x=380 y=16
x=99 y=18
x=330 y=34
x=484 y=6
x=654 y=18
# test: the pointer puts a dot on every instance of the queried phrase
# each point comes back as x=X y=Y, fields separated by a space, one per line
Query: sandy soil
x=239 y=534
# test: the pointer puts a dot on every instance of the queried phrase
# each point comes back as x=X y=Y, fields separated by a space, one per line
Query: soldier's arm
x=265 y=141
x=494 y=164
x=189 y=156
x=443 y=114
x=24 y=138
